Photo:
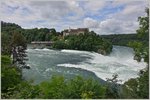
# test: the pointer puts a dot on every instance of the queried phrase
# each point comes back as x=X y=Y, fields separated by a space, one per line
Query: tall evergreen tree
x=19 y=46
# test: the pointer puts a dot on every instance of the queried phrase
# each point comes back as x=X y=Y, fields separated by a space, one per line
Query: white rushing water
x=120 y=62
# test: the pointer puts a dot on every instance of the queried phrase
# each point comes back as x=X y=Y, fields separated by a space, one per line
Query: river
x=69 y=63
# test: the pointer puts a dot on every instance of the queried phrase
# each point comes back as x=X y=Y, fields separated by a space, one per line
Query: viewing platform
x=42 y=42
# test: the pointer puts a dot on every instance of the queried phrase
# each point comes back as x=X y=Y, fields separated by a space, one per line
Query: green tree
x=85 y=88
x=112 y=90
x=143 y=30
x=140 y=47
x=54 y=89
x=5 y=44
x=25 y=90
x=89 y=42
x=18 y=50
x=139 y=87
x=18 y=40
x=10 y=76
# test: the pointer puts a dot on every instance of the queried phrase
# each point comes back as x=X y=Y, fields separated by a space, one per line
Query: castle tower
x=69 y=29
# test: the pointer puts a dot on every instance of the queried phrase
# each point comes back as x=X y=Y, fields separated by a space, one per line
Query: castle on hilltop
x=75 y=31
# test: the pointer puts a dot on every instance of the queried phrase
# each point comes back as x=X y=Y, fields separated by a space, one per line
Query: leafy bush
x=137 y=88
x=10 y=75
x=76 y=88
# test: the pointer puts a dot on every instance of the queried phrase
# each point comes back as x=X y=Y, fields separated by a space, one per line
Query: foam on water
x=46 y=49
x=120 y=62
x=73 y=51
x=29 y=50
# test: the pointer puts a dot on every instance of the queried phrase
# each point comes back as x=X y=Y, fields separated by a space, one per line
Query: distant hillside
x=89 y=41
x=35 y=34
x=123 y=39
x=45 y=34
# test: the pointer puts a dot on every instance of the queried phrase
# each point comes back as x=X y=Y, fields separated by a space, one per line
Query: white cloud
x=57 y=9
x=125 y=21
x=94 y=5
x=131 y=12
x=50 y=11
x=114 y=26
x=129 y=2
x=19 y=12
x=90 y=23
x=64 y=14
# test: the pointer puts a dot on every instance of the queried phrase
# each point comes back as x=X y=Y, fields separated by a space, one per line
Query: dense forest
x=35 y=34
x=13 y=86
x=9 y=29
x=89 y=42
x=120 y=39
x=123 y=39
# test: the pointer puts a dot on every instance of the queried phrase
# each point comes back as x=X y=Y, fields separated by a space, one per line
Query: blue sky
x=101 y=16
